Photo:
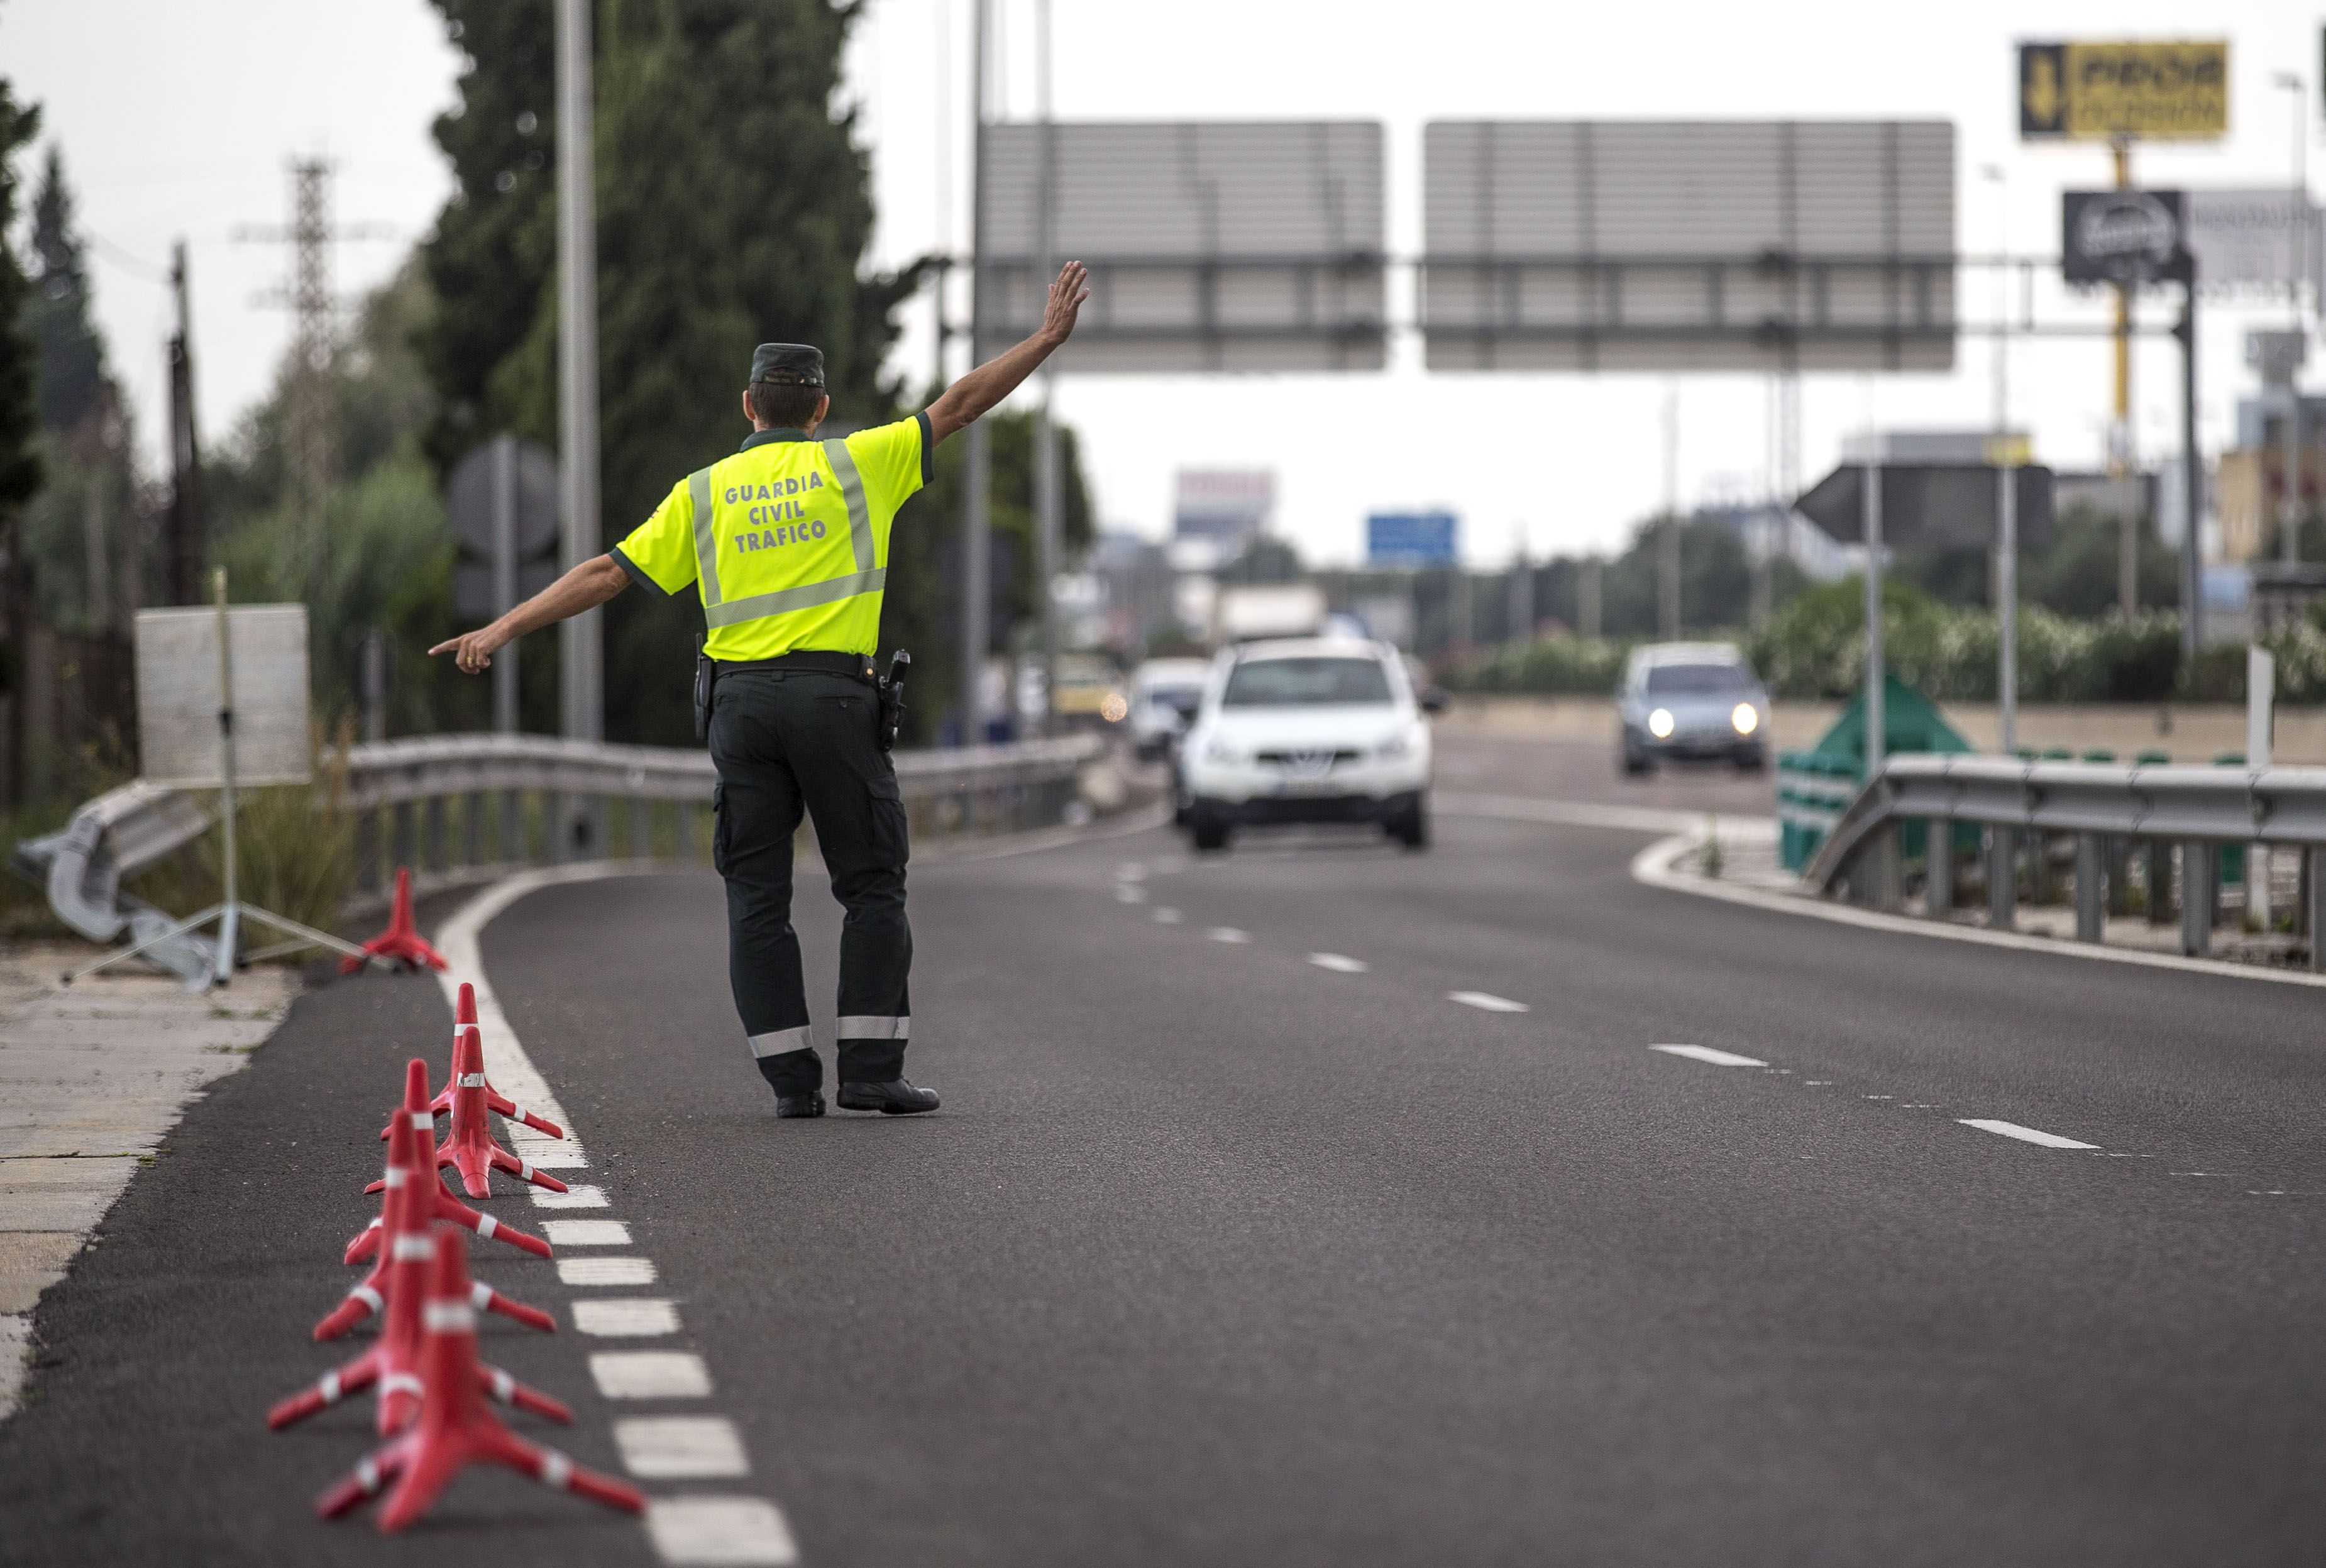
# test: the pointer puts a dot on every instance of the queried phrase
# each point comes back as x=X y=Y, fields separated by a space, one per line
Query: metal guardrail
x=431 y=800
x=2180 y=823
x=500 y=794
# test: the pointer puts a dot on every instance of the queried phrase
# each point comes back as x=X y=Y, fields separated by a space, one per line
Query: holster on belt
x=706 y=673
x=892 y=698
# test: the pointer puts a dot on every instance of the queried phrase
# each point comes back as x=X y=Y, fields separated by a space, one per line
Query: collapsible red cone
x=406 y=1183
x=464 y=1016
x=402 y=942
x=455 y=1429
x=469 y=1146
x=392 y=1364
x=429 y=1191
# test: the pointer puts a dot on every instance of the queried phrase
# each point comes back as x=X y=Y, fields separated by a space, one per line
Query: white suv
x=1308 y=730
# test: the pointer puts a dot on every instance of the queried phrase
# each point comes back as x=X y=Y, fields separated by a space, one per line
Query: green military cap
x=789 y=364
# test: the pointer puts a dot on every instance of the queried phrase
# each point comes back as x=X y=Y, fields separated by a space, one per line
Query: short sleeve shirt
x=794 y=553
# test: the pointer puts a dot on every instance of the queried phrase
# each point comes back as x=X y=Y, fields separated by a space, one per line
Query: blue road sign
x=1409 y=538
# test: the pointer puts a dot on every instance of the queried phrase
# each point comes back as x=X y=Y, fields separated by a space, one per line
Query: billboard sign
x=2175 y=90
x=2263 y=236
x=1689 y=245
x=1229 y=504
x=1410 y=538
x=1212 y=246
x=2122 y=236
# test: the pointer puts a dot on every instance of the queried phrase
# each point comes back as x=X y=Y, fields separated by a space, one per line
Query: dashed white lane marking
x=1167 y=916
x=605 y=1271
x=677 y=1447
x=2024 y=1134
x=1228 y=934
x=1706 y=1053
x=740 y=1532
x=583 y=1196
x=1485 y=1002
x=650 y=1375
x=1129 y=893
x=1339 y=963
x=627 y=1318
x=587 y=1232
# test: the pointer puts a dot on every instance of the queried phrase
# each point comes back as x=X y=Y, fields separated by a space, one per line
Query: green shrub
x=1814 y=649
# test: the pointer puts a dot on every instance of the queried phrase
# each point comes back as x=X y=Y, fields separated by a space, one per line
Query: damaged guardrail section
x=2204 y=845
x=434 y=801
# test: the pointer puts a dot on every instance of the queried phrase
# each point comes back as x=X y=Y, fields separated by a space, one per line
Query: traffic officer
x=786 y=543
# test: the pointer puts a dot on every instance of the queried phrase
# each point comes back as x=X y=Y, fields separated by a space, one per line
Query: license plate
x=1308 y=787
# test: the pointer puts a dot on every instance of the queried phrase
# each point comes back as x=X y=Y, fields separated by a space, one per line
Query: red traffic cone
x=402 y=942
x=455 y=1429
x=464 y=1015
x=405 y=1184
x=469 y=1146
x=428 y=1189
x=392 y=1363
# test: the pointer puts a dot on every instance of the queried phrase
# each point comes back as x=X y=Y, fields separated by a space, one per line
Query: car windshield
x=1687 y=680
x=1306 y=683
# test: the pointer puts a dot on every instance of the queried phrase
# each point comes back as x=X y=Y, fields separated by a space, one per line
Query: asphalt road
x=1569 y=769
x=1218 y=1255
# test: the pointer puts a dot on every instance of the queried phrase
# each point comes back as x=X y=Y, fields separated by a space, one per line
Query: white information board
x=178 y=738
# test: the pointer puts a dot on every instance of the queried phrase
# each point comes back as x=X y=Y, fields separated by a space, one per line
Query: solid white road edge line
x=1652 y=867
x=2024 y=1134
x=695 y=1529
x=1706 y=1053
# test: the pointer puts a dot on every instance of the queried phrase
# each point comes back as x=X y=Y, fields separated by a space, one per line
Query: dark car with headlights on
x=1692 y=702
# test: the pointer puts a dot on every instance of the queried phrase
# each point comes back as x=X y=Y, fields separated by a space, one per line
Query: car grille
x=1316 y=762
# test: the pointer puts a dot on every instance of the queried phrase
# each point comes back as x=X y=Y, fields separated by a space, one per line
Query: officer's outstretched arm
x=585 y=587
x=998 y=378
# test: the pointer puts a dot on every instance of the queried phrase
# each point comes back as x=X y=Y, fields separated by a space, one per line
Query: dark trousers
x=786 y=741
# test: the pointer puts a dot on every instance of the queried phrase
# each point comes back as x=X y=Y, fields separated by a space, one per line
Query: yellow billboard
x=2169 y=91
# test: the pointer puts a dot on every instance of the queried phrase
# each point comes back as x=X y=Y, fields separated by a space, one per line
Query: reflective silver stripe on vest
x=806 y=596
x=866 y=579
x=851 y=486
x=706 y=541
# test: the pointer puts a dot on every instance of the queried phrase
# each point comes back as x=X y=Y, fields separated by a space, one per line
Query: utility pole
x=2120 y=454
x=579 y=647
x=2297 y=233
x=1048 y=521
x=2192 y=480
x=186 y=543
x=977 y=474
x=315 y=338
x=1668 y=536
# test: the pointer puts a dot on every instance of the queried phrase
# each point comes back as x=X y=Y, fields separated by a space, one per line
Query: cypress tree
x=56 y=309
x=19 y=457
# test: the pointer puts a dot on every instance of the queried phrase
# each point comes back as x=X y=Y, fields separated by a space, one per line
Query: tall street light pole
x=977 y=467
x=2297 y=236
x=579 y=647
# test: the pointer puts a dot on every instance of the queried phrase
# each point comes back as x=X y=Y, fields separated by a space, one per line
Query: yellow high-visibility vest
x=787 y=541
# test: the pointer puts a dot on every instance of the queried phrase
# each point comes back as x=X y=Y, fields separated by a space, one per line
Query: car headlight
x=1746 y=718
x=1218 y=751
x=1396 y=746
x=1660 y=724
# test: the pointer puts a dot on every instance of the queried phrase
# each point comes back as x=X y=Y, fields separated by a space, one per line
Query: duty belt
x=856 y=666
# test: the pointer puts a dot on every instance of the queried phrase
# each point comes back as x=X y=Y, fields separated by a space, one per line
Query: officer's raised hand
x=990 y=382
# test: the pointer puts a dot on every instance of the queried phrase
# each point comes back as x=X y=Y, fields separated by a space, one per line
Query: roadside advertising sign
x=2123 y=236
x=2171 y=90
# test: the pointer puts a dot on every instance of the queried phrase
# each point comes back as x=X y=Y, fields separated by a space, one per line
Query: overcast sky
x=176 y=120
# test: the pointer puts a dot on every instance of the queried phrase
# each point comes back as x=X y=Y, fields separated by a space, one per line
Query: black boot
x=809 y=1104
x=895 y=1098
